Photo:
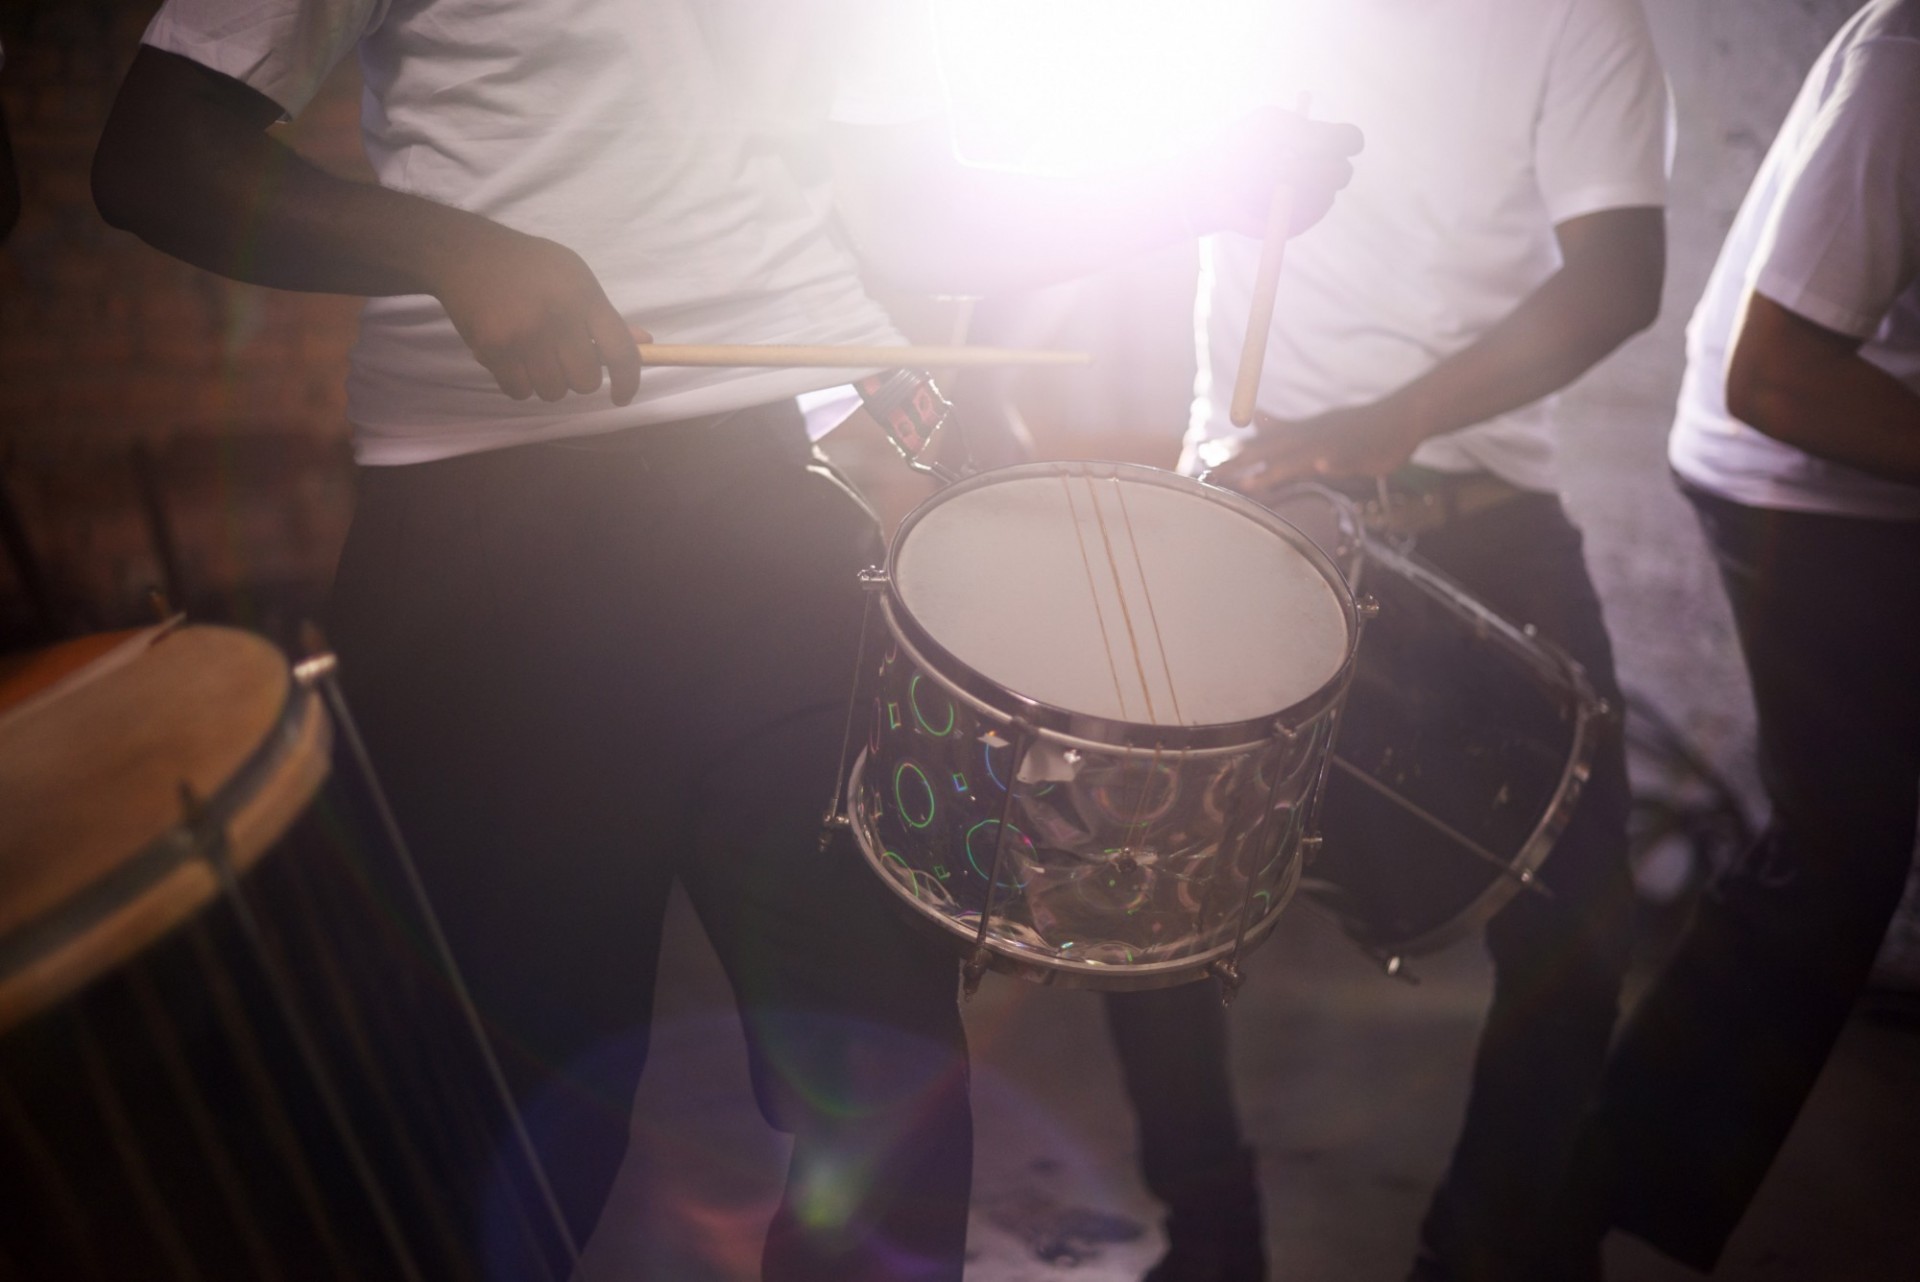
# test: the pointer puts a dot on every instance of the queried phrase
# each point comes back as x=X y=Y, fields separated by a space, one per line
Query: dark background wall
x=136 y=391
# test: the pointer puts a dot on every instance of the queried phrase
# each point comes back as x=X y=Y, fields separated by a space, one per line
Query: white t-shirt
x=1487 y=123
x=671 y=143
x=1830 y=230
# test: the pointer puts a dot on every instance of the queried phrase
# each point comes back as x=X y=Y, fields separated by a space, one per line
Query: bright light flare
x=1073 y=87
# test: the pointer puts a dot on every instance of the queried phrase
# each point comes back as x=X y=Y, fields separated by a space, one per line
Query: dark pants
x=1714 y=1064
x=1558 y=964
x=589 y=670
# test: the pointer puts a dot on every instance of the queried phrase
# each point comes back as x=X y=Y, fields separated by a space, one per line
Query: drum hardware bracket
x=837 y=819
x=1394 y=966
x=975 y=969
x=873 y=578
x=315 y=668
x=1228 y=973
x=911 y=411
x=1367 y=607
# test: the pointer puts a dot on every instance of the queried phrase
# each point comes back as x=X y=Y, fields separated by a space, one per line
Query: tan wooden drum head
x=97 y=858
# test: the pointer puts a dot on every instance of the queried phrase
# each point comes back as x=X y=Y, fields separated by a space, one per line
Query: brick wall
x=132 y=384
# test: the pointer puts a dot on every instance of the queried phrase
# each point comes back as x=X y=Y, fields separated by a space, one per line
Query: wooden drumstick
x=1266 y=283
x=833 y=356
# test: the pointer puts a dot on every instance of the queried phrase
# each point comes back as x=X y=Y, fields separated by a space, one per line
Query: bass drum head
x=1123 y=594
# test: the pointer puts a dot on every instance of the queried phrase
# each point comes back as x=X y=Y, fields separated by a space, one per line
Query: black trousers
x=1558 y=964
x=1715 y=1063
x=589 y=670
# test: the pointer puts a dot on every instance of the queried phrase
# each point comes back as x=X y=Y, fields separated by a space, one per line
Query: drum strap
x=912 y=411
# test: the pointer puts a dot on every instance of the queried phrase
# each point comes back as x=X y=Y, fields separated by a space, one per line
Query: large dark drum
x=227 y=1046
x=1460 y=754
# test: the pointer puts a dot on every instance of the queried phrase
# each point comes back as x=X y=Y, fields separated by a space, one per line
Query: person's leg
x=496 y=650
x=1172 y=1047
x=851 y=1015
x=1559 y=962
x=1714 y=1064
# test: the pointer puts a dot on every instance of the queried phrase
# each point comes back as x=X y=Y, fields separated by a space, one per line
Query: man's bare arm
x=1809 y=387
x=187 y=164
x=1613 y=265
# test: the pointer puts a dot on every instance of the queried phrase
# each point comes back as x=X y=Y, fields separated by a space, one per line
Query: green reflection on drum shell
x=900 y=802
x=913 y=701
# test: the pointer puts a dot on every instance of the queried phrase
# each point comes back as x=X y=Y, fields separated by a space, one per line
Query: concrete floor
x=1351 y=1084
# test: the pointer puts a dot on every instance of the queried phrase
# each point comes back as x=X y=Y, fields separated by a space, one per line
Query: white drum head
x=1140 y=598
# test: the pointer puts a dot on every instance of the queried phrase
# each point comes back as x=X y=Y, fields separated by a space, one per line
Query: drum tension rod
x=838 y=817
x=1024 y=735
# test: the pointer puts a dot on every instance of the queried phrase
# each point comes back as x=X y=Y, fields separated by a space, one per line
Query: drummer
x=600 y=625
x=1481 y=261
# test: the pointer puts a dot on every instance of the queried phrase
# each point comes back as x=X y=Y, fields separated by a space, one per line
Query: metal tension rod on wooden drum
x=976 y=967
x=320 y=669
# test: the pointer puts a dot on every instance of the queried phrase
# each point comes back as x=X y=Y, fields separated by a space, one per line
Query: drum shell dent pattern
x=1135 y=855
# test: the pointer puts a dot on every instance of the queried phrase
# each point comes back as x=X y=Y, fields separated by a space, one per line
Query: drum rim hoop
x=1592 y=713
x=1036 y=967
x=1098 y=731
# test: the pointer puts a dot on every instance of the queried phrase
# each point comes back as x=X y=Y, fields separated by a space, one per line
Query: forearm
x=1576 y=318
x=186 y=163
x=1809 y=387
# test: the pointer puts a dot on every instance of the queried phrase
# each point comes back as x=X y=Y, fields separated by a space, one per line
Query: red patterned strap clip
x=909 y=407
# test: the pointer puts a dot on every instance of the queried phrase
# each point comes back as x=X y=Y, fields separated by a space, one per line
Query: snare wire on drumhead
x=350 y=731
x=1093 y=590
x=1120 y=595
x=1146 y=588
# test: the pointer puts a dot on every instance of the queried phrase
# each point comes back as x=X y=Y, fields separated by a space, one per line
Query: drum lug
x=974 y=971
x=873 y=578
x=320 y=662
x=1367 y=607
x=1228 y=973
x=832 y=822
x=1394 y=966
x=315 y=668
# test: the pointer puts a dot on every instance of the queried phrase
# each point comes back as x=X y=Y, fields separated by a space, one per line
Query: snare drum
x=227 y=1048
x=1462 y=749
x=1092 y=724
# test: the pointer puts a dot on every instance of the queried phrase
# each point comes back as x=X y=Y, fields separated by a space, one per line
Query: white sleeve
x=283 y=48
x=1604 y=136
x=1844 y=240
x=889 y=71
